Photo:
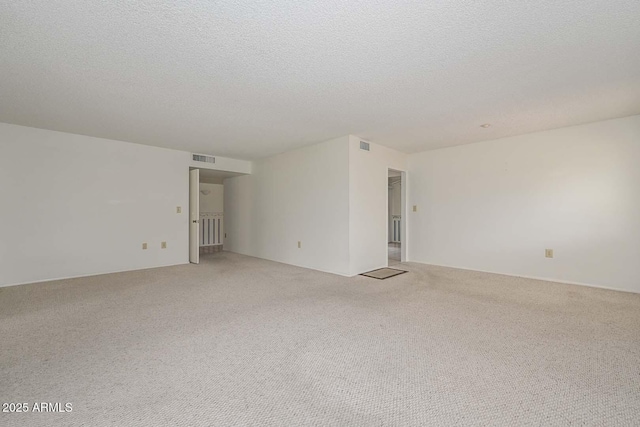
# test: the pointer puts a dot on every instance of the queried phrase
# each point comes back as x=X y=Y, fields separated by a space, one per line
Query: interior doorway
x=395 y=223
x=206 y=212
x=211 y=237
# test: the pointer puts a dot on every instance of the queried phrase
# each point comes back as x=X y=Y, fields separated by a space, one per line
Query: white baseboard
x=290 y=263
x=89 y=275
x=546 y=279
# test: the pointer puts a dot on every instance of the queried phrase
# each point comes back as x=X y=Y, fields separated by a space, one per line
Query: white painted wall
x=331 y=196
x=214 y=200
x=301 y=195
x=496 y=205
x=368 y=205
x=73 y=205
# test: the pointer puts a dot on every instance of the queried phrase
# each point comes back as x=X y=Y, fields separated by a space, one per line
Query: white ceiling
x=251 y=79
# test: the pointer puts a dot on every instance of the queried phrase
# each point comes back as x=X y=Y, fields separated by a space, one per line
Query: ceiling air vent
x=364 y=146
x=203 y=158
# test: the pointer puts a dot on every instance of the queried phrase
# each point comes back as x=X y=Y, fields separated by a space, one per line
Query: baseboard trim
x=290 y=263
x=90 y=275
x=545 y=279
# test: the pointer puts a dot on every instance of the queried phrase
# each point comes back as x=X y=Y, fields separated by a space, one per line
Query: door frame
x=194 y=216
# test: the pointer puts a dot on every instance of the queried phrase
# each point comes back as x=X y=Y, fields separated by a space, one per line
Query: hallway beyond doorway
x=394 y=253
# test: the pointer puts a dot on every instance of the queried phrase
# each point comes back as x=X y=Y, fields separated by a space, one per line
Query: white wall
x=72 y=205
x=368 y=205
x=214 y=200
x=496 y=205
x=331 y=196
x=301 y=195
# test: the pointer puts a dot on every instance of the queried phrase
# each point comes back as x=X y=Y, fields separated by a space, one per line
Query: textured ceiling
x=251 y=79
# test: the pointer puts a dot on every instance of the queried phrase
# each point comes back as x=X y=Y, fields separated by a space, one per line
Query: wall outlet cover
x=548 y=253
x=144 y=246
x=179 y=209
x=163 y=245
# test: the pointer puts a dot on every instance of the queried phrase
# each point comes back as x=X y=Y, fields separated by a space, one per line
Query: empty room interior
x=338 y=213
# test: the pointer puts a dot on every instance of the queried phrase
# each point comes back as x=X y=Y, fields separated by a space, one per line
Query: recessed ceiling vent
x=203 y=158
x=364 y=146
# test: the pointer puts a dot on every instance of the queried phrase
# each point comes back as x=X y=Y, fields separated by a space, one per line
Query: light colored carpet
x=243 y=341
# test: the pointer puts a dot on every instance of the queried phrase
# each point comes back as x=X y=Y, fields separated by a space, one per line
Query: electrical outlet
x=179 y=209
x=225 y=235
x=144 y=246
x=163 y=245
x=415 y=208
x=299 y=244
x=548 y=253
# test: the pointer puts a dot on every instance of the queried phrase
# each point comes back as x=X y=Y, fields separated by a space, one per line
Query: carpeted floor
x=243 y=341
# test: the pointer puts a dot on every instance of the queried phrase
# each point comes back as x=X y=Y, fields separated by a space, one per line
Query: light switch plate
x=163 y=245
x=179 y=209
x=144 y=246
x=548 y=253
